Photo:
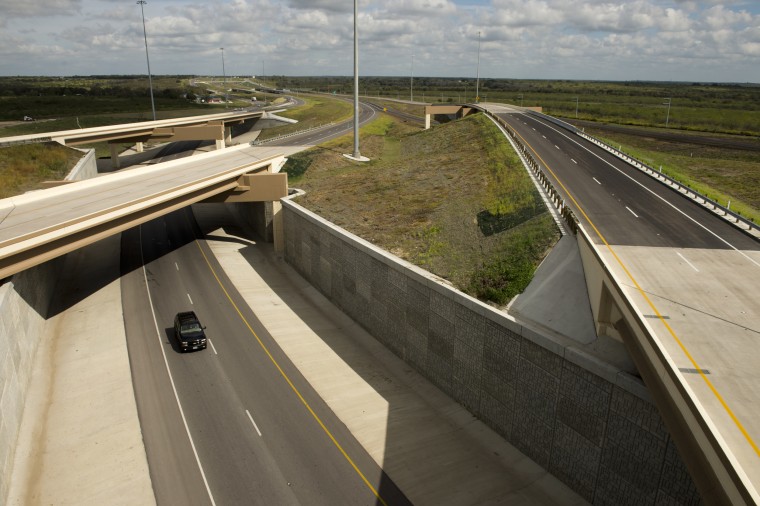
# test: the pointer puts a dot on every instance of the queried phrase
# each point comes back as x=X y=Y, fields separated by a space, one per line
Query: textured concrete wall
x=589 y=424
x=24 y=301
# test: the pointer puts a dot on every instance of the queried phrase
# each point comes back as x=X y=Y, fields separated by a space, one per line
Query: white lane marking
x=595 y=179
x=631 y=210
x=573 y=160
x=543 y=136
x=684 y=259
x=171 y=379
x=533 y=129
x=556 y=146
x=188 y=298
x=714 y=234
x=176 y=265
x=254 y=423
x=212 y=346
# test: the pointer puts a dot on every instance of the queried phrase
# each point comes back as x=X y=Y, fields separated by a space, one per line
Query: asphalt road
x=235 y=423
x=626 y=206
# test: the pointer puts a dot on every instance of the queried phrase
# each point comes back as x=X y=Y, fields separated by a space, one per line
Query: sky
x=660 y=40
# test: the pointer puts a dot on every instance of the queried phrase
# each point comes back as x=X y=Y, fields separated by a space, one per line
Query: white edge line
x=652 y=192
x=684 y=259
x=212 y=345
x=171 y=379
x=254 y=423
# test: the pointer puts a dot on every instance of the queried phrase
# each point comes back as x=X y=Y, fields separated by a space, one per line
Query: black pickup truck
x=189 y=331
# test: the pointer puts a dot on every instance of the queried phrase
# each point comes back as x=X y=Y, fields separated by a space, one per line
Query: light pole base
x=359 y=158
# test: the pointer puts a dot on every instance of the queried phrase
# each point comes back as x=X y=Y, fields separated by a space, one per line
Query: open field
x=713 y=107
x=454 y=200
x=23 y=167
x=318 y=110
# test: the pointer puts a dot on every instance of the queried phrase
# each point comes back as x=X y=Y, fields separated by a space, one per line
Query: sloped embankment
x=454 y=200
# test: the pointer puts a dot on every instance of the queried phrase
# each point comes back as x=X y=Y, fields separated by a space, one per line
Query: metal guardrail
x=556 y=198
x=742 y=223
x=257 y=142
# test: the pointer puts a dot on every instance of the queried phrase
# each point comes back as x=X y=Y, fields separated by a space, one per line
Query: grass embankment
x=23 y=167
x=720 y=173
x=454 y=200
x=315 y=112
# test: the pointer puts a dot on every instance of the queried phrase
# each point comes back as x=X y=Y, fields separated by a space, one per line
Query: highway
x=692 y=276
x=235 y=423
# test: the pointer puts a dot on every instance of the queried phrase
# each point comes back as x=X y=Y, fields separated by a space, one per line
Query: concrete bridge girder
x=617 y=318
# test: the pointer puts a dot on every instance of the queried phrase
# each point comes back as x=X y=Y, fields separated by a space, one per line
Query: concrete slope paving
x=80 y=440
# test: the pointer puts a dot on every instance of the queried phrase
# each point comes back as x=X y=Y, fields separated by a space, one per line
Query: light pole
x=411 y=83
x=356 y=155
x=576 y=107
x=224 y=79
x=667 y=116
x=477 y=75
x=150 y=79
x=521 y=99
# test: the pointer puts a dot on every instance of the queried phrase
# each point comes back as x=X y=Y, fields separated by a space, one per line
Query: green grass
x=23 y=167
x=421 y=197
x=316 y=111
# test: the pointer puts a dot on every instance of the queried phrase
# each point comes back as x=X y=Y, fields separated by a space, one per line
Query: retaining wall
x=592 y=426
x=24 y=303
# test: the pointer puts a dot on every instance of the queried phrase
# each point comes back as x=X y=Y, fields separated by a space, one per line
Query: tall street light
x=667 y=116
x=411 y=83
x=576 y=107
x=224 y=79
x=356 y=155
x=150 y=79
x=477 y=76
x=521 y=99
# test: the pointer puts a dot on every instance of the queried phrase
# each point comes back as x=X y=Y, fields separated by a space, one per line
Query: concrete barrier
x=592 y=426
x=24 y=304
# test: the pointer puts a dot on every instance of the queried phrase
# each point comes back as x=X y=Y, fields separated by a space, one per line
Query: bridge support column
x=139 y=147
x=115 y=155
x=427 y=121
x=220 y=144
x=228 y=135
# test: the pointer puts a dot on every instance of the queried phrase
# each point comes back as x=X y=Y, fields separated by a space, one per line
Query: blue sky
x=685 y=40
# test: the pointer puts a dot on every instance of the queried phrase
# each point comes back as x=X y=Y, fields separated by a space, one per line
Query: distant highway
x=235 y=423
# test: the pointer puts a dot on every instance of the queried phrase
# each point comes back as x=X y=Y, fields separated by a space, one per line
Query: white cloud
x=594 y=39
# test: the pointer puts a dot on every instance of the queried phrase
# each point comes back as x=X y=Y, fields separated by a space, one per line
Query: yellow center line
x=289 y=382
x=641 y=291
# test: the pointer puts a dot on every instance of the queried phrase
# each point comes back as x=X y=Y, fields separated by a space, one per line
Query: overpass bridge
x=677 y=284
x=215 y=127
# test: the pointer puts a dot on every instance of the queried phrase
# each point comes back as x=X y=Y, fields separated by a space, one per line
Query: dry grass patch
x=454 y=200
x=23 y=167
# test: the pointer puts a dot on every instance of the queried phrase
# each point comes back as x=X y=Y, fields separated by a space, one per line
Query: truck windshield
x=190 y=328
